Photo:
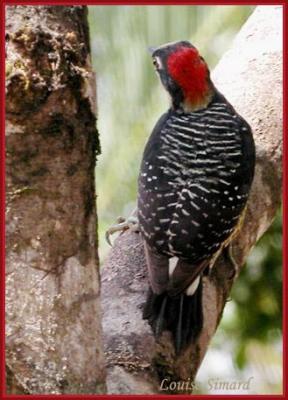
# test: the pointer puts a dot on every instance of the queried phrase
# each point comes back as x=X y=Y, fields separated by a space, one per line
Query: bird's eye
x=155 y=63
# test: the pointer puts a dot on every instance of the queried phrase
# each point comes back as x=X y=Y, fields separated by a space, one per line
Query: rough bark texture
x=53 y=330
x=250 y=76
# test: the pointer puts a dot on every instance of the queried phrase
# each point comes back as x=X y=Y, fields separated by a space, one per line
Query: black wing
x=194 y=182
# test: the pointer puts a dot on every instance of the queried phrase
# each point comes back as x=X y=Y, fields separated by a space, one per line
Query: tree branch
x=250 y=76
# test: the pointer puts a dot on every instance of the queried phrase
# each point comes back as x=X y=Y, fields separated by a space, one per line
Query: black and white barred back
x=194 y=181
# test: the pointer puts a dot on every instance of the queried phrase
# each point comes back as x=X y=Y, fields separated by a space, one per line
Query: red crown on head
x=190 y=72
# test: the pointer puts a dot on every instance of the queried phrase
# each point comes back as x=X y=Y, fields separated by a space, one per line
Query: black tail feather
x=161 y=318
x=179 y=336
x=181 y=315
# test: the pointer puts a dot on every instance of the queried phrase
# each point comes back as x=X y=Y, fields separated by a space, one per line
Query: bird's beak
x=151 y=50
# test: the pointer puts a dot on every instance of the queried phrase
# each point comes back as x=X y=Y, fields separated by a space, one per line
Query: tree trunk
x=53 y=327
x=250 y=76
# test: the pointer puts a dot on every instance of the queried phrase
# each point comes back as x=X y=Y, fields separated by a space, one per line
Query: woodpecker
x=195 y=177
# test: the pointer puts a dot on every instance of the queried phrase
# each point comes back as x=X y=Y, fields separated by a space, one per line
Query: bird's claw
x=121 y=226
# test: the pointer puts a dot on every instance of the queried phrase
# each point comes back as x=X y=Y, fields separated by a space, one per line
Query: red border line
x=2 y=204
x=143 y=3
x=285 y=201
x=2 y=200
x=147 y=397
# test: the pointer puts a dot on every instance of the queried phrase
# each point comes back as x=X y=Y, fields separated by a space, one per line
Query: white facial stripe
x=159 y=63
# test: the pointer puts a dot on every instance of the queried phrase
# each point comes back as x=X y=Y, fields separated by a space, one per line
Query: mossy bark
x=53 y=321
x=136 y=362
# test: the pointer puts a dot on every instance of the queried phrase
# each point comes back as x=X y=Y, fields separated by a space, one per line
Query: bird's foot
x=121 y=226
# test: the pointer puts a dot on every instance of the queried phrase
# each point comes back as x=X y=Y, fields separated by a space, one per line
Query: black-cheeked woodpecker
x=195 y=177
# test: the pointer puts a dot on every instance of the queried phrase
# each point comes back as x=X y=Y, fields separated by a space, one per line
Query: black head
x=183 y=73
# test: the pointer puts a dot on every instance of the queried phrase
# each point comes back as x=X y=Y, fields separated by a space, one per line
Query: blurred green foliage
x=251 y=327
x=130 y=100
x=258 y=294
